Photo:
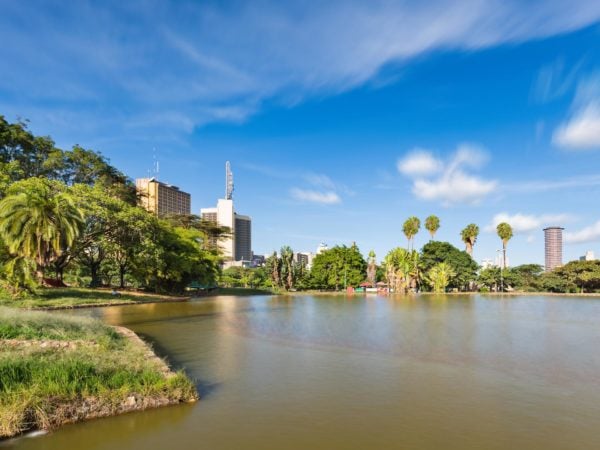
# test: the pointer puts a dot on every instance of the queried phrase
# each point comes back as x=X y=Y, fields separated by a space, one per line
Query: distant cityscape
x=163 y=199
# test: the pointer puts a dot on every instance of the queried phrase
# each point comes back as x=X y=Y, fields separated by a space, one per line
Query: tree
x=124 y=242
x=40 y=222
x=287 y=267
x=439 y=276
x=372 y=269
x=338 y=266
x=410 y=229
x=432 y=224
x=273 y=266
x=463 y=266
x=505 y=233
x=526 y=277
x=469 y=237
x=403 y=269
x=583 y=274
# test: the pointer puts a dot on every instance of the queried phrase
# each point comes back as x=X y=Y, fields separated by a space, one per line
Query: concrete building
x=499 y=262
x=589 y=256
x=553 y=247
x=487 y=263
x=322 y=248
x=236 y=249
x=161 y=198
x=305 y=258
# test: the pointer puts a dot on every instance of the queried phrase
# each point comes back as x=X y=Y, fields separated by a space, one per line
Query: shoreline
x=45 y=412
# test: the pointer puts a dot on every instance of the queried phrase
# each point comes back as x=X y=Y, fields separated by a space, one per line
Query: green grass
x=33 y=325
x=77 y=297
x=40 y=387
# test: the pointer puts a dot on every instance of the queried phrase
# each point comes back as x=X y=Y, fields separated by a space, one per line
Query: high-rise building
x=161 y=198
x=553 y=247
x=589 y=256
x=237 y=247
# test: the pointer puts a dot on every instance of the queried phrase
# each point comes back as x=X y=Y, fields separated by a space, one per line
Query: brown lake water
x=308 y=372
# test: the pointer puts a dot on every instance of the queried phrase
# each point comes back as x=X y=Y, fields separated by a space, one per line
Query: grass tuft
x=89 y=370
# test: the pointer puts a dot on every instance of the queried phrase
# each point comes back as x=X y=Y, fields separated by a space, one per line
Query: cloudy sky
x=340 y=118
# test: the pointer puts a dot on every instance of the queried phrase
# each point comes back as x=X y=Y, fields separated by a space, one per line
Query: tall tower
x=228 y=182
x=553 y=247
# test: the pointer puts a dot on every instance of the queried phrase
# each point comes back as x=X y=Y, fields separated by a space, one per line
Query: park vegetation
x=68 y=217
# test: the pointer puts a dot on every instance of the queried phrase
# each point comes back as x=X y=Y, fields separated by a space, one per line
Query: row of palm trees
x=468 y=235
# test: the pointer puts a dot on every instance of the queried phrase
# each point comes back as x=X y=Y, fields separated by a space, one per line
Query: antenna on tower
x=228 y=181
x=155 y=167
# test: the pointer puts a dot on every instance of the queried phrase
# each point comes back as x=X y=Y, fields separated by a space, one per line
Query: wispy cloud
x=588 y=234
x=452 y=184
x=581 y=131
x=310 y=196
x=536 y=186
x=527 y=223
x=174 y=58
x=555 y=80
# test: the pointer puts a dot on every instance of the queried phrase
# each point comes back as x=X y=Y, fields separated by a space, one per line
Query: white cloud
x=527 y=223
x=587 y=234
x=175 y=57
x=448 y=182
x=419 y=162
x=529 y=187
x=310 y=196
x=582 y=131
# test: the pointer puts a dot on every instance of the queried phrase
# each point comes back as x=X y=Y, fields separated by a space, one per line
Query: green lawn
x=54 y=366
x=77 y=297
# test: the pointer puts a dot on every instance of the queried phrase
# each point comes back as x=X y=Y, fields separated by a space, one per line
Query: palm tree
x=469 y=237
x=505 y=232
x=439 y=276
x=40 y=225
x=411 y=228
x=432 y=224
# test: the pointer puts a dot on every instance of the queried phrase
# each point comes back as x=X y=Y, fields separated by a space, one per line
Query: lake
x=336 y=372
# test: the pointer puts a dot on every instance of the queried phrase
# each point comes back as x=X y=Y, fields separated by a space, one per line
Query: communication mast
x=228 y=181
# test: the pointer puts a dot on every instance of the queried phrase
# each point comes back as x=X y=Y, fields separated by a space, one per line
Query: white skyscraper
x=237 y=248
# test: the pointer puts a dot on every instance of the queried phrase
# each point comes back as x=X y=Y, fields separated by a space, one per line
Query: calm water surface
x=376 y=373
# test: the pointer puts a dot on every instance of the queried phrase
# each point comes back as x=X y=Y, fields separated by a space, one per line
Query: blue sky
x=340 y=118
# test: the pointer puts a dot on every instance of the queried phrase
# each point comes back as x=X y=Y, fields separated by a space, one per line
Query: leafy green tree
x=505 y=233
x=213 y=233
x=439 y=276
x=463 y=266
x=432 y=224
x=469 y=236
x=39 y=220
x=338 y=267
x=526 y=277
x=410 y=229
x=583 y=274
x=125 y=239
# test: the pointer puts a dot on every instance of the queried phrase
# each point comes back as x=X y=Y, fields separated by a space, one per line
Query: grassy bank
x=65 y=298
x=56 y=369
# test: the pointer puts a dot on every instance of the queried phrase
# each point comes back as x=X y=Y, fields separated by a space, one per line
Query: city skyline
x=330 y=145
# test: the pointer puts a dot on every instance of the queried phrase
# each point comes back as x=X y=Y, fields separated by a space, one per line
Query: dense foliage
x=71 y=216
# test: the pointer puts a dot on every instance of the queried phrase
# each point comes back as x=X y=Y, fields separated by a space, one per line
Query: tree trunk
x=95 y=277
x=122 y=276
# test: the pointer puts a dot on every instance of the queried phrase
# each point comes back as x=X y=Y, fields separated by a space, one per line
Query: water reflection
x=421 y=372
